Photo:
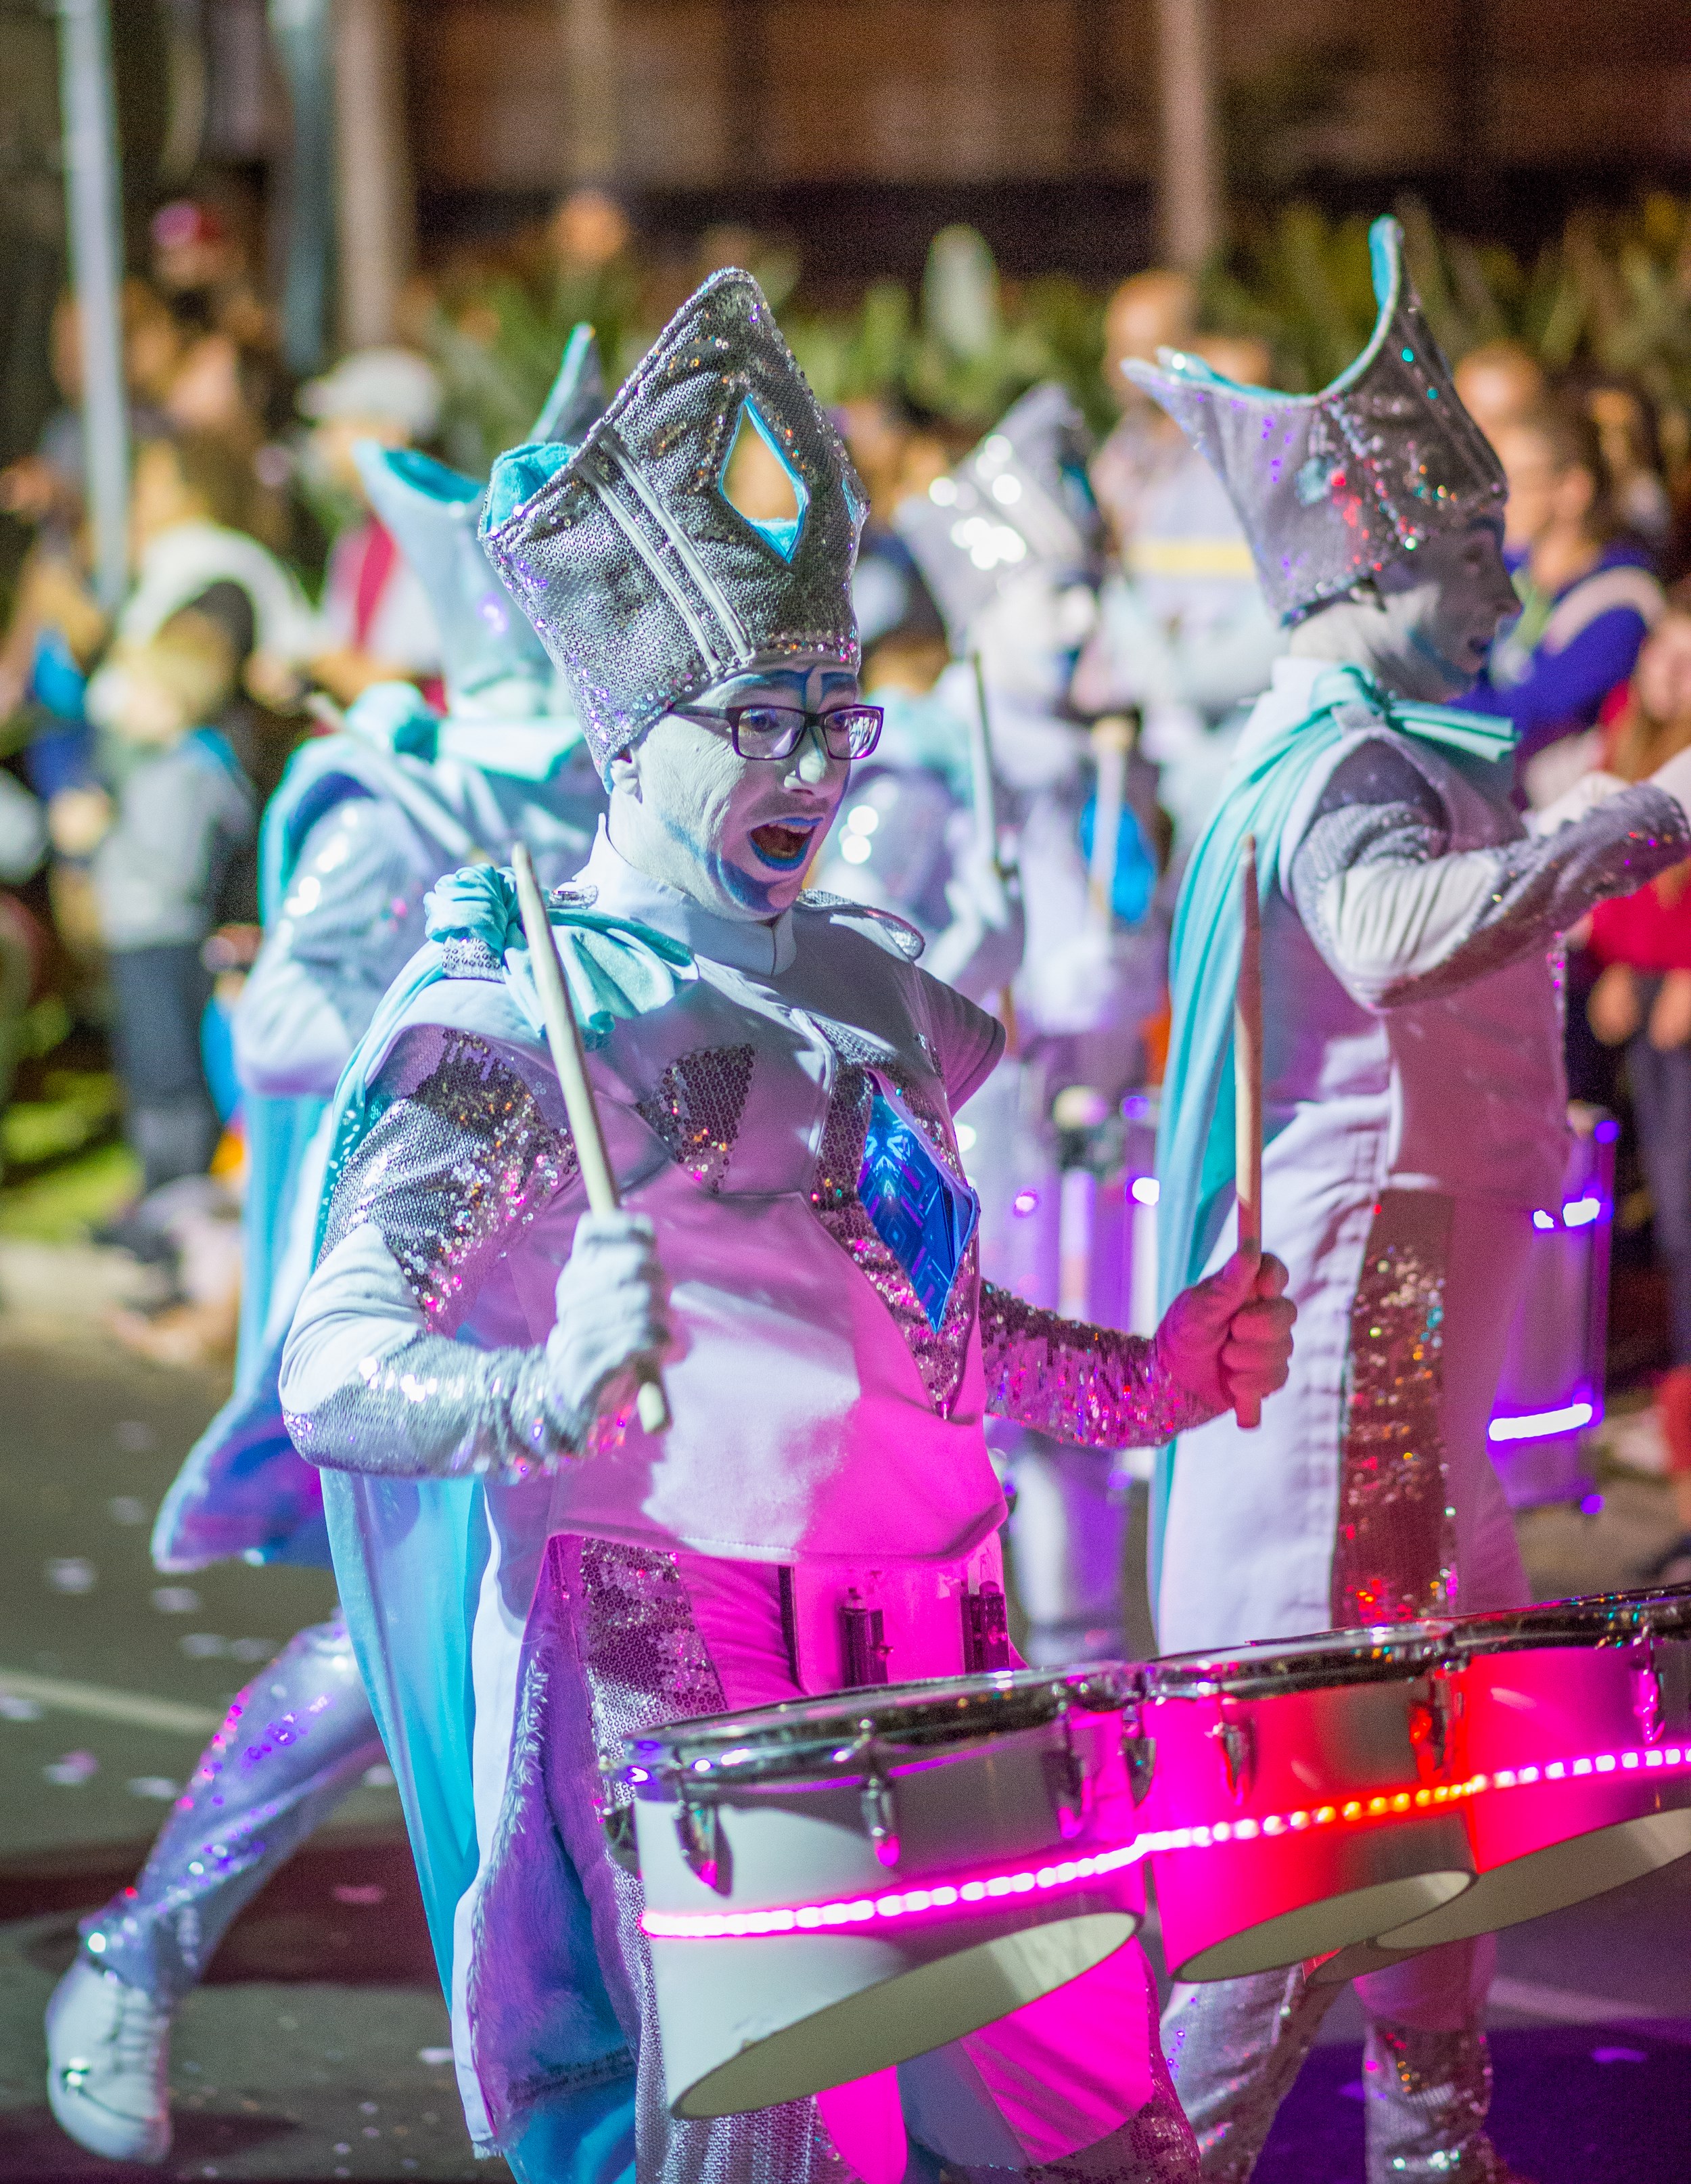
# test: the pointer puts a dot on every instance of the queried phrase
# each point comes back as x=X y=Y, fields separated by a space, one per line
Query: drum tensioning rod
x=1247 y=1081
x=563 y=1038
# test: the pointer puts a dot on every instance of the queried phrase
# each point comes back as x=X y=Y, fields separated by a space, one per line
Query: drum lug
x=986 y=1629
x=1238 y=1747
x=698 y=1830
x=1649 y=1701
x=1073 y=1800
x=863 y=1642
x=1140 y=1753
x=1431 y=1721
x=880 y=1818
x=619 y=1838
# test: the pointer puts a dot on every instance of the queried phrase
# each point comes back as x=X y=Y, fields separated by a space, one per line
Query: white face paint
x=736 y=834
x=1029 y=634
x=1425 y=636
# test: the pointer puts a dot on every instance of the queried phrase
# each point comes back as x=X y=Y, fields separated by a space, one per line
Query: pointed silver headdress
x=646 y=583
x=493 y=663
x=1335 y=486
x=1017 y=501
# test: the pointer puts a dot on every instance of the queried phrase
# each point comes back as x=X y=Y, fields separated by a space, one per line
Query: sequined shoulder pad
x=896 y=934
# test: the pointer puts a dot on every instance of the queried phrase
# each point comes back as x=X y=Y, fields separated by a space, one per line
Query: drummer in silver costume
x=1415 y=1109
x=1009 y=543
x=826 y=1380
x=364 y=822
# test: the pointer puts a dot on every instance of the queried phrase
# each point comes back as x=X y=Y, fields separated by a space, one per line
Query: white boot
x=108 y=2065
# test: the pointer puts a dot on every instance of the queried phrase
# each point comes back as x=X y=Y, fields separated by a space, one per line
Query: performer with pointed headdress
x=530 y=1576
x=363 y=824
x=1415 y=1108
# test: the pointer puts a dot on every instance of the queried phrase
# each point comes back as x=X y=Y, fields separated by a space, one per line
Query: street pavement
x=318 y=2046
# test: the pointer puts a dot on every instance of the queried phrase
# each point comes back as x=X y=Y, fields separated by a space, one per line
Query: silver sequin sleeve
x=455 y=1169
x=1400 y=917
x=1093 y=1386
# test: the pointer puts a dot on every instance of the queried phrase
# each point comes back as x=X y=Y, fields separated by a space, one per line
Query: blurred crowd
x=139 y=748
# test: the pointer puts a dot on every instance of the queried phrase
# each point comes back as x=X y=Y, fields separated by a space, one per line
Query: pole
x=1247 y=1081
x=563 y=1038
x=591 y=80
x=983 y=794
x=301 y=32
x=88 y=118
x=375 y=230
x=1190 y=179
x=1112 y=743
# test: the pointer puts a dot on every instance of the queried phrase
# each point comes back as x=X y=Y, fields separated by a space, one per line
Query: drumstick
x=1247 y=1082
x=563 y=1038
x=1112 y=740
x=983 y=794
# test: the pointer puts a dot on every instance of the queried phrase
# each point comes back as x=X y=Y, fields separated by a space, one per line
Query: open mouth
x=784 y=843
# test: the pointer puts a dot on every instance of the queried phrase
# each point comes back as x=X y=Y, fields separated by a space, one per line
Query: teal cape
x=1263 y=788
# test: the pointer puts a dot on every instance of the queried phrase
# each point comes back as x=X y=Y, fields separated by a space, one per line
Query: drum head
x=898 y=2018
x=1311 y=1930
x=1551 y=1879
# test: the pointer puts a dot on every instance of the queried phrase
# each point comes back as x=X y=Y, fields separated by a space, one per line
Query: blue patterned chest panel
x=921 y=1212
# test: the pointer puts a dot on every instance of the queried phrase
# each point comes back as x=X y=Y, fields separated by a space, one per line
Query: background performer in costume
x=1416 y=1110
x=364 y=822
x=528 y=1575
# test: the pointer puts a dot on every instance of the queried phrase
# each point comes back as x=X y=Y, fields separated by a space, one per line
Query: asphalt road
x=317 y=2047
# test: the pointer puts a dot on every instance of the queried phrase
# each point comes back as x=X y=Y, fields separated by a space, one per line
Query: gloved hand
x=1590 y=790
x=613 y=1314
x=1227 y=1339
x=980 y=951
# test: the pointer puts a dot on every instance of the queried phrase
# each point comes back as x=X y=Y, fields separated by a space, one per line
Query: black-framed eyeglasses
x=849 y=731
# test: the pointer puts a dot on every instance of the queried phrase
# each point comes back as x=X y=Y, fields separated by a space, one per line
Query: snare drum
x=1572 y=1742
x=1281 y=1788
x=836 y=1885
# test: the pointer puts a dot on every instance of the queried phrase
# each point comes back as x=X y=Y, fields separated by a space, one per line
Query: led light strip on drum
x=988 y=1891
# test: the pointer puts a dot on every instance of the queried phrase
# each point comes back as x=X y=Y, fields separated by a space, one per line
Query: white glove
x=1676 y=778
x=613 y=1315
x=1573 y=805
x=1227 y=1339
x=980 y=951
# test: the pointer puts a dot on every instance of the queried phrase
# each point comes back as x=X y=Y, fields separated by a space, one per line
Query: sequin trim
x=1428 y=2095
x=463 y=956
x=696 y=1109
x=646 y=1664
x=1234 y=2048
x=939 y=1354
x=452 y=1171
x=434 y=1408
x=1092 y=1386
x=1395 y=1552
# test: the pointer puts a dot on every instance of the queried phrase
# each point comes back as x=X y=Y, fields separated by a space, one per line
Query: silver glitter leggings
x=1235 y=2045
x=296 y=1741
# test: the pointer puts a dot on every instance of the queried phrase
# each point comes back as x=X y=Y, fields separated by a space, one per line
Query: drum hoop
x=835 y=1739
x=1599 y=1619
x=1269 y=1671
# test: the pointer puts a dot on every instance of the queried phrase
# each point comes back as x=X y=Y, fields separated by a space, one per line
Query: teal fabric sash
x=1195 y=1139
x=409 y=1553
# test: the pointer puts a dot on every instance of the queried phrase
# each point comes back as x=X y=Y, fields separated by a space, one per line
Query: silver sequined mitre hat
x=646 y=583
x=492 y=662
x=1019 y=500
x=1333 y=488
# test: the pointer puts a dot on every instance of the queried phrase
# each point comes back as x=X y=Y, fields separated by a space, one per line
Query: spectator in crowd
x=1631 y=449
x=1152 y=311
x=1500 y=382
x=23 y=845
x=1588 y=598
x=376 y=616
x=1642 y=1001
x=159 y=833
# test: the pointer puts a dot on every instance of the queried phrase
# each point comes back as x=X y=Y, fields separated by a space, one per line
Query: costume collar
x=766 y=949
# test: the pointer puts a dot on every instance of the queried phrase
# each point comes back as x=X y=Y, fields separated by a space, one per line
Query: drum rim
x=824 y=1736
x=1588 y=1620
x=1375 y=1653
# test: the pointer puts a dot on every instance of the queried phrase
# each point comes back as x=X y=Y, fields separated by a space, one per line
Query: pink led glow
x=985 y=1891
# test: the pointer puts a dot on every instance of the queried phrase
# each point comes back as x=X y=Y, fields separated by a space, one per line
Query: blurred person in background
x=378 y=625
x=1589 y=599
x=1183 y=636
x=1151 y=311
x=1499 y=383
x=23 y=846
x=1641 y=1001
x=1631 y=447
x=158 y=837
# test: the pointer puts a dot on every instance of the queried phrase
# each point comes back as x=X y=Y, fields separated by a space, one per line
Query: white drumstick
x=563 y=1038
x=1247 y=1082
x=1112 y=742
x=984 y=793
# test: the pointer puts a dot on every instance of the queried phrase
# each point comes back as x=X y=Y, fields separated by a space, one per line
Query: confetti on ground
x=71 y=1573
x=175 y=1599
x=155 y=1786
x=76 y=1767
x=125 y=1509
